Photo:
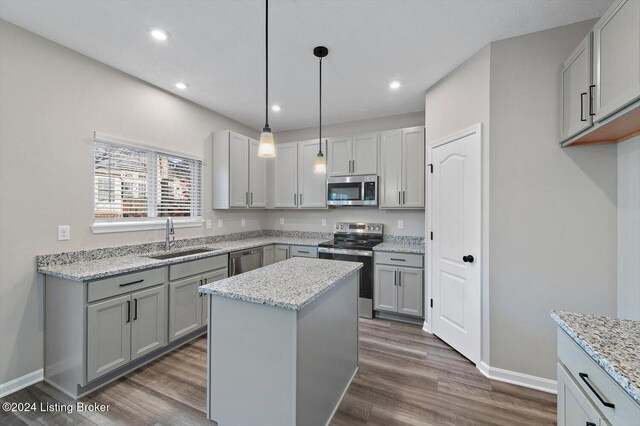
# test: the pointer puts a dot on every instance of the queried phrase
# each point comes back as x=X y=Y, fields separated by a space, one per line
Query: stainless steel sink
x=173 y=255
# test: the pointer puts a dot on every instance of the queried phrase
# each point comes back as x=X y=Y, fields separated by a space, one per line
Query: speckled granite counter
x=400 y=248
x=82 y=266
x=614 y=344
x=290 y=284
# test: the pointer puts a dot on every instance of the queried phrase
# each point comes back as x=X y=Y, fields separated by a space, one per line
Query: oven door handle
x=365 y=253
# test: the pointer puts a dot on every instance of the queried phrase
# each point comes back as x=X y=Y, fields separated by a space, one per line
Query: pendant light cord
x=320 y=126
x=266 y=37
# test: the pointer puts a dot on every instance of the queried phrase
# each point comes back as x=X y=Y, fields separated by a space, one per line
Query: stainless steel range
x=354 y=242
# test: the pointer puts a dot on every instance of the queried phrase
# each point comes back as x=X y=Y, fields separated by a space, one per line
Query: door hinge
x=431 y=303
x=431 y=235
x=430 y=165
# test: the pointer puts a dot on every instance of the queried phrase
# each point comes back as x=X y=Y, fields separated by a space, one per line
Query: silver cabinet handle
x=233 y=266
x=353 y=166
x=399 y=199
x=246 y=198
x=252 y=198
x=301 y=199
x=295 y=199
x=404 y=197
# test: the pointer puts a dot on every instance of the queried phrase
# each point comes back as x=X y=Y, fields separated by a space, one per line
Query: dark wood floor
x=406 y=377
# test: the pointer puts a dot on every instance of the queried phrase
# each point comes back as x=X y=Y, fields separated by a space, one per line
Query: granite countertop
x=86 y=270
x=290 y=284
x=612 y=343
x=400 y=248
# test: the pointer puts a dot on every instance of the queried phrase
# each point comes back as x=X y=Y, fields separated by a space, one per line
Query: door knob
x=468 y=259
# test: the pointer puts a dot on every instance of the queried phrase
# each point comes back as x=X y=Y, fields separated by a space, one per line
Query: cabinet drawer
x=301 y=251
x=576 y=361
x=121 y=284
x=195 y=267
x=400 y=259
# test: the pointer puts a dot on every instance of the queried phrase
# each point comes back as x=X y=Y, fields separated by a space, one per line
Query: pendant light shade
x=321 y=162
x=267 y=147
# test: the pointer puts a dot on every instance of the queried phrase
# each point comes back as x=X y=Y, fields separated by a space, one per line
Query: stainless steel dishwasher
x=244 y=261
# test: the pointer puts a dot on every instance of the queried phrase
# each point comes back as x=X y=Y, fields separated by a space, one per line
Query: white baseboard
x=21 y=382
x=520 y=379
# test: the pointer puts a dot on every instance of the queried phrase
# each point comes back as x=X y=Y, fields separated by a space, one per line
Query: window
x=134 y=184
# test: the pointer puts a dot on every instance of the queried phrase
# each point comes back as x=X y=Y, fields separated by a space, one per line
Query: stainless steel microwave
x=352 y=191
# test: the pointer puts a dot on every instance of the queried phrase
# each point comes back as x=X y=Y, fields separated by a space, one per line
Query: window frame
x=100 y=226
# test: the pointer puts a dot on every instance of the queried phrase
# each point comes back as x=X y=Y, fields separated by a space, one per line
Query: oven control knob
x=340 y=226
x=336 y=226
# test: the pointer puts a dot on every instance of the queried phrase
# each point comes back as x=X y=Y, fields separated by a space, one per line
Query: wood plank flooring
x=406 y=377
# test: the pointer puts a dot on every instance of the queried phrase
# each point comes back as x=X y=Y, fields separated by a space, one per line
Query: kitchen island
x=282 y=342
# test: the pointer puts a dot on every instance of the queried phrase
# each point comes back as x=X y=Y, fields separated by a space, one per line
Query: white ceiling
x=218 y=47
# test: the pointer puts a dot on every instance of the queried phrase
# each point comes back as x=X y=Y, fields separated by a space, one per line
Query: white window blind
x=132 y=183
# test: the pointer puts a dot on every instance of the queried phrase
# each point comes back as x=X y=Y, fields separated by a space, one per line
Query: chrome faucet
x=170 y=234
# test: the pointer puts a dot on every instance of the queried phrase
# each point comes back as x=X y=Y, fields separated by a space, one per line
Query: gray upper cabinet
x=339 y=157
x=357 y=155
x=238 y=174
x=312 y=188
x=576 y=97
x=148 y=321
x=616 y=64
x=402 y=165
x=184 y=307
x=108 y=336
x=285 y=175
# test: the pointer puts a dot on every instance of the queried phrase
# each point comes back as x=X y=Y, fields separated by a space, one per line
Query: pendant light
x=266 y=148
x=321 y=162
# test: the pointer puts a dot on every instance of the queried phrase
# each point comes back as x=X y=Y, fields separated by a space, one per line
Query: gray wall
x=553 y=211
x=310 y=220
x=459 y=101
x=629 y=229
x=51 y=100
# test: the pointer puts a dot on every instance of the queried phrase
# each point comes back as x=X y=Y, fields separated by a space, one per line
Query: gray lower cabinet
x=399 y=289
x=185 y=307
x=267 y=255
x=574 y=408
x=108 y=336
x=149 y=321
x=280 y=253
x=303 y=251
x=208 y=278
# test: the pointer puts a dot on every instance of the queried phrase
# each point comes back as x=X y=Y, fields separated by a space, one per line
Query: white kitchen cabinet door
x=616 y=64
x=185 y=307
x=108 y=336
x=365 y=155
x=576 y=95
x=390 y=169
x=238 y=170
x=573 y=407
x=413 y=166
x=339 y=157
x=257 y=176
x=312 y=188
x=148 y=322
x=410 y=294
x=385 y=293
x=285 y=174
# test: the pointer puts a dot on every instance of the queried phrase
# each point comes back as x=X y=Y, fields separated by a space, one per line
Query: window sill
x=143 y=225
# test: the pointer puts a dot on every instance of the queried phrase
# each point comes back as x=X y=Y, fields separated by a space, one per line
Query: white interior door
x=455 y=202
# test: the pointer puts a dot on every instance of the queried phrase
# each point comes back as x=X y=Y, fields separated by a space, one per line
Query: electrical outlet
x=220 y=223
x=243 y=222
x=208 y=223
x=400 y=224
x=324 y=222
x=64 y=232
x=282 y=221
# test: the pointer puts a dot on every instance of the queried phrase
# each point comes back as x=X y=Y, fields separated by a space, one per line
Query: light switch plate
x=64 y=232
x=282 y=221
x=220 y=223
x=400 y=224
x=324 y=222
x=243 y=222
x=208 y=223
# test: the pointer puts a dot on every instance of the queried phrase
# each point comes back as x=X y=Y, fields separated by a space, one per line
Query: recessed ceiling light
x=395 y=84
x=180 y=85
x=158 y=34
x=276 y=108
